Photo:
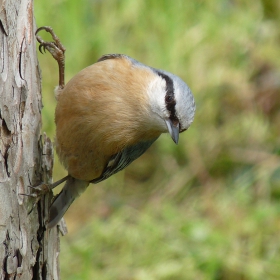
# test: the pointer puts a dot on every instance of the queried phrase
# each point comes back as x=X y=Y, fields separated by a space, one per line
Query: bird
x=108 y=115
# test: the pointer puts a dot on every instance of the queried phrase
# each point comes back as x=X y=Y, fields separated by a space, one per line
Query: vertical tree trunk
x=27 y=249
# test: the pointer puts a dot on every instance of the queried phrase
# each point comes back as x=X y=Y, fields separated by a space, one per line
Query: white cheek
x=156 y=94
x=157 y=111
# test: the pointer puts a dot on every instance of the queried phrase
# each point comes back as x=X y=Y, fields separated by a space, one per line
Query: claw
x=29 y=195
x=40 y=48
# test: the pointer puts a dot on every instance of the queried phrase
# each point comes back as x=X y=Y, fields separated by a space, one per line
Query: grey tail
x=71 y=190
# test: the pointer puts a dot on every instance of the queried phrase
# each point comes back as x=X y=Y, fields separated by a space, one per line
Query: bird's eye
x=169 y=98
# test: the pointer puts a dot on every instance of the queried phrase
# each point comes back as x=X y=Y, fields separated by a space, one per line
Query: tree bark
x=27 y=249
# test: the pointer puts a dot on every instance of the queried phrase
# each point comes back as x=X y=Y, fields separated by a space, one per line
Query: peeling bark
x=27 y=249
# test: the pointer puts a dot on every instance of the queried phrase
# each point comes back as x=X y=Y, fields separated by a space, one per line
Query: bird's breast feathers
x=100 y=114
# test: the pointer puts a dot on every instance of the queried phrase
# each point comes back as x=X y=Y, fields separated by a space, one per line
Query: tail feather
x=71 y=190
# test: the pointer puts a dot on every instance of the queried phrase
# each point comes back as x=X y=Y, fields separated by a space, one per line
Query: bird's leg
x=56 y=49
x=43 y=189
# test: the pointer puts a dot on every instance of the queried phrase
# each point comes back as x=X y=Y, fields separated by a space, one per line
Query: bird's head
x=169 y=104
x=172 y=101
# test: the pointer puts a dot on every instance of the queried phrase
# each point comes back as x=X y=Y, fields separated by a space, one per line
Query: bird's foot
x=43 y=188
x=37 y=193
x=55 y=48
x=40 y=190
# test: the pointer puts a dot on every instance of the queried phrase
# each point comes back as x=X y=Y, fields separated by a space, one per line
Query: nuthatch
x=108 y=115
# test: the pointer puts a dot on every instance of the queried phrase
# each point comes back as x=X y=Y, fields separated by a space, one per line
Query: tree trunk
x=27 y=249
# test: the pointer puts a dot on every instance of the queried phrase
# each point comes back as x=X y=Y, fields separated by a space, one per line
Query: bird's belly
x=82 y=164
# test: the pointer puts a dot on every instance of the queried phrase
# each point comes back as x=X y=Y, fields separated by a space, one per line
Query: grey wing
x=122 y=159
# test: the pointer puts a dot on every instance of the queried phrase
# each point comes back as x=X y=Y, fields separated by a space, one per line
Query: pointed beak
x=173 y=130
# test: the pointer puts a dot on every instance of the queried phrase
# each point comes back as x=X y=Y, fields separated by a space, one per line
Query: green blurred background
x=208 y=208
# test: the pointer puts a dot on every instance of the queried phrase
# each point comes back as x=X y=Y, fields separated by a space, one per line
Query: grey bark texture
x=27 y=249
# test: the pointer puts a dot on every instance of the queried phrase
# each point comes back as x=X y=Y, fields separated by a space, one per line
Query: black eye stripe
x=170 y=101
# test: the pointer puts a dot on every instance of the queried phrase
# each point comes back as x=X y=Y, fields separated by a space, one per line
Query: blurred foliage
x=209 y=207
